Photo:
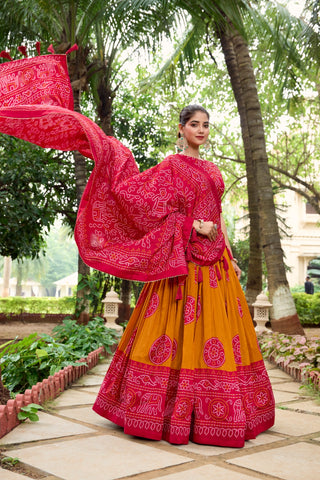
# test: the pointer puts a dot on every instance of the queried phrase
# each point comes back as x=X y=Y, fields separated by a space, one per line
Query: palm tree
x=225 y=18
x=254 y=280
x=285 y=318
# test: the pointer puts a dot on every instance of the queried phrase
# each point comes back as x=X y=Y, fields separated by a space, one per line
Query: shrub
x=28 y=361
x=308 y=308
x=18 y=305
x=85 y=338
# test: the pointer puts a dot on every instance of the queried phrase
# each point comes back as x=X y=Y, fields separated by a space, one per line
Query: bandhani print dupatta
x=133 y=225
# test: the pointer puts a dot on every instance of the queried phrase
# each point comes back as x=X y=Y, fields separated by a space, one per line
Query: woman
x=188 y=365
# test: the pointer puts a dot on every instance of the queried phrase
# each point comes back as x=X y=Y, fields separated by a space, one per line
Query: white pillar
x=6 y=276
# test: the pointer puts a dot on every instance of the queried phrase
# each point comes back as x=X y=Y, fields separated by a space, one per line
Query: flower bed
x=48 y=389
x=295 y=354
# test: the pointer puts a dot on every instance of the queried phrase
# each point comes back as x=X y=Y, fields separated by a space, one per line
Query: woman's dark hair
x=187 y=112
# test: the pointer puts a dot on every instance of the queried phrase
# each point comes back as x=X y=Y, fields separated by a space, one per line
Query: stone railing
x=48 y=389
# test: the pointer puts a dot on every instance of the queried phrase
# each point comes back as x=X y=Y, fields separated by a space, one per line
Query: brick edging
x=297 y=372
x=48 y=389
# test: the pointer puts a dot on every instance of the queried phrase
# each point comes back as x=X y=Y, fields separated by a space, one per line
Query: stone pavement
x=71 y=442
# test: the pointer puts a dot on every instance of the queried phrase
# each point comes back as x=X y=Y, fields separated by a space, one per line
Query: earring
x=207 y=146
x=181 y=144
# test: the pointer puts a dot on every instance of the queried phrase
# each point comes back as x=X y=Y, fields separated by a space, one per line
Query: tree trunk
x=254 y=281
x=125 y=296
x=284 y=317
x=78 y=77
x=19 y=280
x=83 y=269
x=106 y=96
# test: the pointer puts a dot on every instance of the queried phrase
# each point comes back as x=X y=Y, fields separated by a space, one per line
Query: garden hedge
x=18 y=305
x=308 y=308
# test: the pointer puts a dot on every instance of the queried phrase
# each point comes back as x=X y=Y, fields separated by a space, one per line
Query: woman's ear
x=180 y=129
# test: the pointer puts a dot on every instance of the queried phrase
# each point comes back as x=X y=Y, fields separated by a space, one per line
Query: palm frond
x=183 y=56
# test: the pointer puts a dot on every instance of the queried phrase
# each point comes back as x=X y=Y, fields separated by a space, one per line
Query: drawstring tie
x=199 y=275
x=182 y=281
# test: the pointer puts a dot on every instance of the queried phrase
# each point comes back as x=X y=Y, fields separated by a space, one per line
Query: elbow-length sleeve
x=132 y=227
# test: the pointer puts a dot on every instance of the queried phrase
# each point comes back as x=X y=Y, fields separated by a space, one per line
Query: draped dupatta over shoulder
x=133 y=225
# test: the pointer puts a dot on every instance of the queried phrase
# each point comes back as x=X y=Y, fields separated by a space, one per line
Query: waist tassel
x=218 y=273
x=179 y=293
x=199 y=276
x=181 y=282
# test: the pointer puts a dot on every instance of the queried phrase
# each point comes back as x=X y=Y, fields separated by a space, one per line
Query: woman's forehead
x=199 y=117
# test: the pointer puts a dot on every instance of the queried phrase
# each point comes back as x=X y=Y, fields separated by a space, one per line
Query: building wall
x=303 y=244
x=29 y=288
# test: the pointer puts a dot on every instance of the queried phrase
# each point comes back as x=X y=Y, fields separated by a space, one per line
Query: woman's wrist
x=197 y=225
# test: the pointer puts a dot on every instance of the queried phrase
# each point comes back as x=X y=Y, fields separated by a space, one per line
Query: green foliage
x=308 y=307
x=32 y=359
x=314 y=268
x=36 y=185
x=85 y=338
x=30 y=412
x=241 y=251
x=18 y=305
x=28 y=361
x=92 y=285
x=95 y=286
x=9 y=461
x=137 y=120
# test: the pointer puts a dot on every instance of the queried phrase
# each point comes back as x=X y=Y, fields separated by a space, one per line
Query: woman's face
x=196 y=130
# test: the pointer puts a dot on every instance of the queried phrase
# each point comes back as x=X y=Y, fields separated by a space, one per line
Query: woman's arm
x=234 y=261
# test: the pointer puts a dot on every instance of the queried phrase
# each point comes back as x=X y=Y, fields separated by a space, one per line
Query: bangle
x=201 y=224
x=234 y=260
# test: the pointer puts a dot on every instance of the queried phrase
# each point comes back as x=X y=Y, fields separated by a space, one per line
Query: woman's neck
x=191 y=152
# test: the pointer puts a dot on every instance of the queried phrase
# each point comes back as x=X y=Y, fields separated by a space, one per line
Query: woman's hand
x=208 y=229
x=236 y=268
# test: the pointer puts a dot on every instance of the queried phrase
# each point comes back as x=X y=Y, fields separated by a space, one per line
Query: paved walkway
x=70 y=442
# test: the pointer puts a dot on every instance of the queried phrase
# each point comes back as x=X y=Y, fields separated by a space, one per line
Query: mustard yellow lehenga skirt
x=188 y=366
